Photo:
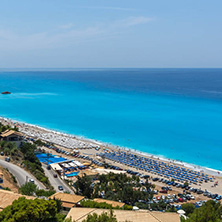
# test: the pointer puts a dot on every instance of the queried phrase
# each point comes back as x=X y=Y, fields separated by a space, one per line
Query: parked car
x=218 y=197
x=31 y=180
x=199 y=191
x=7 y=159
x=60 y=187
x=168 y=196
x=158 y=197
x=169 y=188
x=175 y=200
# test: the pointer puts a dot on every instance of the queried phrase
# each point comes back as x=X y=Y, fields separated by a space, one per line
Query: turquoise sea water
x=176 y=113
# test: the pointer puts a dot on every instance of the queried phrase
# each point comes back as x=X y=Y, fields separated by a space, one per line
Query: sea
x=171 y=113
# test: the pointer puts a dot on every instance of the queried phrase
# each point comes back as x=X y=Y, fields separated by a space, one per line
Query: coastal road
x=55 y=182
x=20 y=174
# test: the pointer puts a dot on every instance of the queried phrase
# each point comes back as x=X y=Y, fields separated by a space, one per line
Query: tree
x=28 y=151
x=28 y=189
x=104 y=217
x=32 y=163
x=188 y=208
x=83 y=186
x=23 y=210
x=44 y=193
x=209 y=212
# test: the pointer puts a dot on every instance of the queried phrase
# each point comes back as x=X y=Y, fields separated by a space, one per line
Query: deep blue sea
x=175 y=113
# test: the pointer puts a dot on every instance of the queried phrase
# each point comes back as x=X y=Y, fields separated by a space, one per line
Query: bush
x=188 y=208
x=7 y=188
x=93 y=204
x=142 y=205
x=127 y=207
x=28 y=189
x=45 y=193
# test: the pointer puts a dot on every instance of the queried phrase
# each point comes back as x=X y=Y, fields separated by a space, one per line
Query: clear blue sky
x=104 y=33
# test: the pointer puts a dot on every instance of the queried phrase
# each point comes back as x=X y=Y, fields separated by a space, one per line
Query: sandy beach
x=87 y=147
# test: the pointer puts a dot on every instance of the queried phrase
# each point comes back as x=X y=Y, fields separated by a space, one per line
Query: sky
x=110 y=34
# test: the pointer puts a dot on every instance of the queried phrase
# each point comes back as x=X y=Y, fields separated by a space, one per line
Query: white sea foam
x=36 y=94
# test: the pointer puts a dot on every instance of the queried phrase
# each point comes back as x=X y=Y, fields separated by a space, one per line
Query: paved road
x=55 y=182
x=20 y=174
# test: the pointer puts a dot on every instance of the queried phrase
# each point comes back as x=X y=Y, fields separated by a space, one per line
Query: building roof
x=7 y=197
x=9 y=133
x=68 y=198
x=55 y=166
x=111 y=202
x=79 y=214
x=68 y=205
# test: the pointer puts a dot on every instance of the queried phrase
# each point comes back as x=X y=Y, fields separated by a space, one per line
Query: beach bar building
x=12 y=136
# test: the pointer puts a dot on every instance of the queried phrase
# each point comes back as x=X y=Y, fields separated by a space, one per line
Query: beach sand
x=87 y=147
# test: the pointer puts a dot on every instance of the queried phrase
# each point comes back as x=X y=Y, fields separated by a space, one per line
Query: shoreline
x=50 y=135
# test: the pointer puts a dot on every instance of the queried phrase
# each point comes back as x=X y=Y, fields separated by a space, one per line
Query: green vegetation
x=161 y=206
x=6 y=188
x=44 y=193
x=39 y=143
x=186 y=184
x=93 y=204
x=6 y=127
x=188 y=208
x=104 y=217
x=37 y=210
x=30 y=189
x=9 y=148
x=83 y=186
x=32 y=163
x=117 y=187
x=26 y=155
x=13 y=178
x=209 y=212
